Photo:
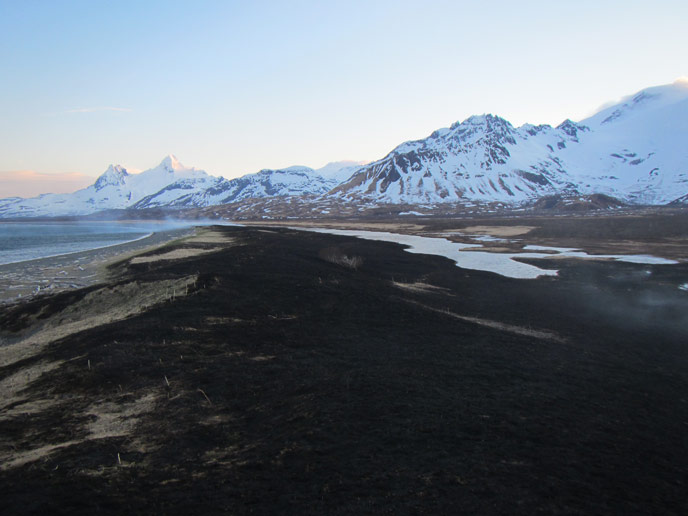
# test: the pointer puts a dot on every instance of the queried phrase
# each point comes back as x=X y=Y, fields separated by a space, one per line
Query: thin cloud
x=93 y=110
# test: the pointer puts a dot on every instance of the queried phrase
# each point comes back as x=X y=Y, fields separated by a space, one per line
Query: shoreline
x=81 y=251
x=24 y=280
x=617 y=234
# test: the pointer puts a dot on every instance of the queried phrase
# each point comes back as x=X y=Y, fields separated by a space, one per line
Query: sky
x=233 y=87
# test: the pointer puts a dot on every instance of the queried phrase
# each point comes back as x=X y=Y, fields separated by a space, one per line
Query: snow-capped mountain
x=114 y=189
x=636 y=150
x=266 y=183
x=173 y=185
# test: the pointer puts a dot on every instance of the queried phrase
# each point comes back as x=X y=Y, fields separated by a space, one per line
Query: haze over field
x=233 y=88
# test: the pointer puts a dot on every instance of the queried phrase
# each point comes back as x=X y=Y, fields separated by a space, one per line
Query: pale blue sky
x=232 y=87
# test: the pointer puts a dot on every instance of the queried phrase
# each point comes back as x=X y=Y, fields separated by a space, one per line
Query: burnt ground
x=270 y=376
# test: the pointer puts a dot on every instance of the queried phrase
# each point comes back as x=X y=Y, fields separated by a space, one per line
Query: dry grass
x=420 y=287
x=110 y=420
x=118 y=419
x=404 y=228
x=336 y=256
x=498 y=231
x=214 y=321
x=12 y=386
x=176 y=254
x=496 y=325
x=24 y=457
x=209 y=236
x=490 y=249
x=102 y=306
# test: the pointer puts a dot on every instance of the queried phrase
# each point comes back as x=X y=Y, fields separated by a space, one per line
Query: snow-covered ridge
x=173 y=185
x=114 y=189
x=636 y=151
x=296 y=180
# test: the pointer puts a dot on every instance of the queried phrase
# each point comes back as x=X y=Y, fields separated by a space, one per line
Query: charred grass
x=281 y=382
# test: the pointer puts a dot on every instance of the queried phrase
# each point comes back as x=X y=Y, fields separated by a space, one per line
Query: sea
x=21 y=241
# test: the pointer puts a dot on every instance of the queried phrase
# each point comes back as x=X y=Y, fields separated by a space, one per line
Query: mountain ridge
x=634 y=151
x=485 y=158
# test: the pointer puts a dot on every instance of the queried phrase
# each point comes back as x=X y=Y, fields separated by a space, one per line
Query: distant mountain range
x=635 y=151
x=173 y=185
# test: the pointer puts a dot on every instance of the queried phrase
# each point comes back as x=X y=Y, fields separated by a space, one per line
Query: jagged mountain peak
x=571 y=128
x=533 y=130
x=171 y=169
x=115 y=175
x=171 y=163
x=487 y=119
x=115 y=171
x=472 y=128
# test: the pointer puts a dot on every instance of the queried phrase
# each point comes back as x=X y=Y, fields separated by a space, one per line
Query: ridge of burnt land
x=262 y=375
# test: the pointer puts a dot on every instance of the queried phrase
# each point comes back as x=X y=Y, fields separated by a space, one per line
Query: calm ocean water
x=21 y=241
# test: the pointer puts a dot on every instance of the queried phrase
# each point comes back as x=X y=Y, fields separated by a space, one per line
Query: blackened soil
x=286 y=383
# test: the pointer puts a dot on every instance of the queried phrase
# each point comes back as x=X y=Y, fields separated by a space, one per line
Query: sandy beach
x=23 y=280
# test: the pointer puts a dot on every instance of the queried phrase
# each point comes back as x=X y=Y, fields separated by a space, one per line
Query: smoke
x=639 y=303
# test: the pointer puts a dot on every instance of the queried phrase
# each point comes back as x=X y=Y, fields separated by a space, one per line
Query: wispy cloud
x=92 y=110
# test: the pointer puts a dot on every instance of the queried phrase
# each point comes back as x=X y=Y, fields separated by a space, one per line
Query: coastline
x=57 y=255
x=26 y=279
